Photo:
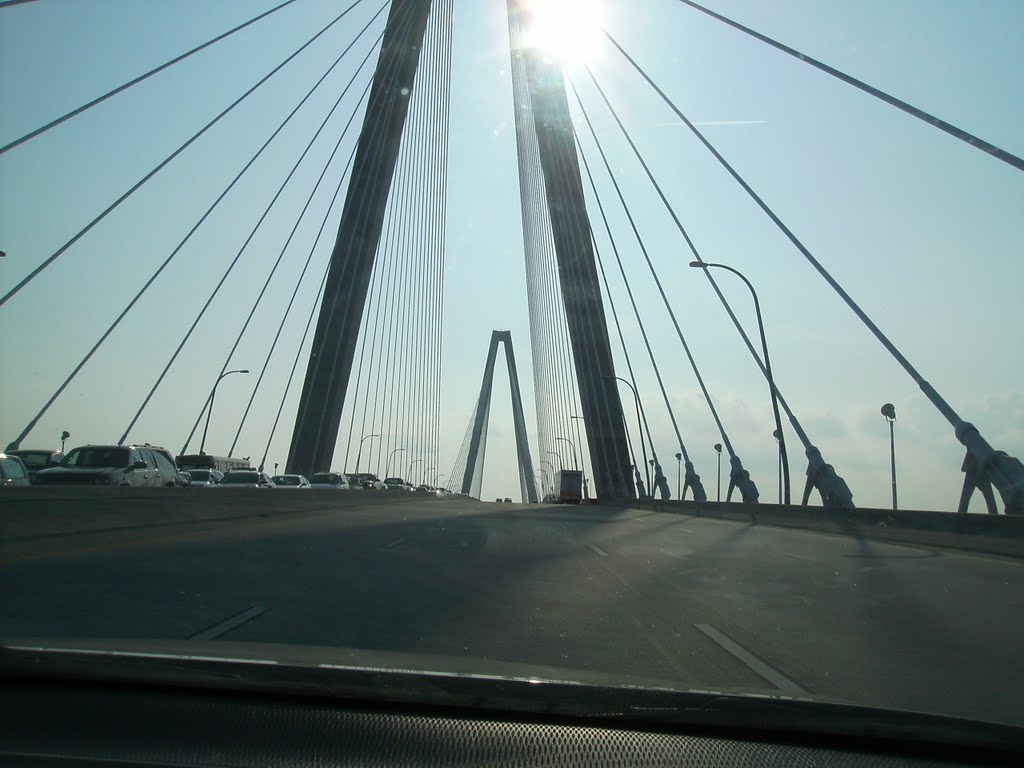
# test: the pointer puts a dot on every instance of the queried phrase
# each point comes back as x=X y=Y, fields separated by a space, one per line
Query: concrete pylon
x=544 y=104
x=334 y=343
x=478 y=437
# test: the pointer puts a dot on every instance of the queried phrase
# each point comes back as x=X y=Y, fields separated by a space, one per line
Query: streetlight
x=561 y=465
x=209 y=412
x=679 y=476
x=575 y=464
x=639 y=424
x=889 y=411
x=438 y=476
x=718 y=450
x=387 y=464
x=275 y=467
x=776 y=434
x=576 y=424
x=359 y=453
x=63 y=438
x=408 y=476
x=784 y=458
x=426 y=474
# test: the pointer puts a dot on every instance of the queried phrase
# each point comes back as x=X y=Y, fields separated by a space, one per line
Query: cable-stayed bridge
x=330 y=278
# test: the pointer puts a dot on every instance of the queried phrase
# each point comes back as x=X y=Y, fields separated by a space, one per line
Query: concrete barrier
x=991 y=534
x=37 y=512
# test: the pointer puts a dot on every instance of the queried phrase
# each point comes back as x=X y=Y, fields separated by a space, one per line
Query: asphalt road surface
x=637 y=595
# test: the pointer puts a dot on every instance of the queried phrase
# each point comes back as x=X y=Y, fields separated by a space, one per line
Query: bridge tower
x=351 y=264
x=545 y=127
x=478 y=436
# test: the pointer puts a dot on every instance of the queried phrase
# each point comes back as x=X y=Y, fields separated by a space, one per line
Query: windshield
x=34 y=459
x=97 y=458
x=706 y=314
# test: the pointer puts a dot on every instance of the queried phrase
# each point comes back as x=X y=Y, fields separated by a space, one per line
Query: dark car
x=138 y=466
x=12 y=471
x=36 y=459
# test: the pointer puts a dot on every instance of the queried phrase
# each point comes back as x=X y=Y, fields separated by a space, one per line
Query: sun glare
x=569 y=30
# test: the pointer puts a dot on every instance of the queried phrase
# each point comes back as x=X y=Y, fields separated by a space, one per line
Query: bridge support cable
x=234 y=262
x=319 y=414
x=401 y=307
x=295 y=363
x=739 y=477
x=167 y=160
x=833 y=489
x=287 y=243
x=125 y=86
x=920 y=114
x=1005 y=472
x=692 y=479
x=167 y=261
x=291 y=301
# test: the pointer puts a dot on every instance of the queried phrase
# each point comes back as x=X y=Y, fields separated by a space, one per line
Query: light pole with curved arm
x=561 y=464
x=387 y=464
x=359 y=453
x=209 y=411
x=408 y=476
x=767 y=366
x=575 y=464
x=640 y=428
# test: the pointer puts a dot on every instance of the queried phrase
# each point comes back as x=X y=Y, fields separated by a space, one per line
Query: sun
x=569 y=30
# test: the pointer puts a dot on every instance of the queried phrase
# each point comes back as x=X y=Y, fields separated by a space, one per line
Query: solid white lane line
x=597 y=550
x=393 y=544
x=230 y=623
x=770 y=674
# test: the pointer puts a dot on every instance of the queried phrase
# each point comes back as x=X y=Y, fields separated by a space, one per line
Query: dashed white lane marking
x=393 y=544
x=770 y=674
x=230 y=623
x=597 y=550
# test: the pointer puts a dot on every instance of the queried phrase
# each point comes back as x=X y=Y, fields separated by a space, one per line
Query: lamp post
x=575 y=464
x=549 y=478
x=426 y=474
x=576 y=424
x=63 y=438
x=718 y=450
x=561 y=464
x=784 y=458
x=359 y=453
x=438 y=476
x=387 y=464
x=640 y=427
x=209 y=412
x=408 y=475
x=679 y=476
x=275 y=466
x=889 y=411
x=776 y=434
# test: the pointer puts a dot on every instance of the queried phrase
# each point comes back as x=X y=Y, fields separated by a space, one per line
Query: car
x=12 y=471
x=396 y=484
x=136 y=466
x=205 y=477
x=35 y=459
x=508 y=500
x=291 y=481
x=367 y=481
x=426 y=489
x=246 y=478
x=330 y=481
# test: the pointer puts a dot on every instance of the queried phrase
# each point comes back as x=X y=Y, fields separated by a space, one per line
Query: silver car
x=291 y=481
x=331 y=480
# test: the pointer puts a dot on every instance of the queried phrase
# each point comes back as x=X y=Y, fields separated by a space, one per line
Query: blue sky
x=923 y=231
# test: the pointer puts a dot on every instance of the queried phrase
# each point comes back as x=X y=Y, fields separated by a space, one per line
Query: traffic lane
x=581 y=589
x=476 y=584
x=847 y=619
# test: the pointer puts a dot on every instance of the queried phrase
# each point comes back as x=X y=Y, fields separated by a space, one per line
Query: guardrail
x=991 y=534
